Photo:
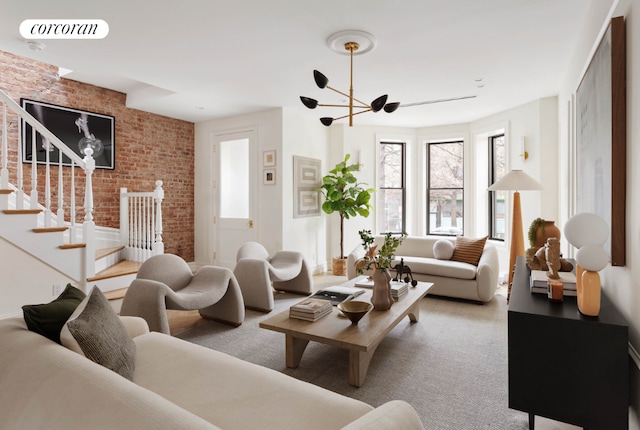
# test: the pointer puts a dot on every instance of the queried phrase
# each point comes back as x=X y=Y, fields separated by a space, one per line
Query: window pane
x=499 y=214
x=390 y=165
x=390 y=207
x=234 y=179
x=498 y=169
x=445 y=211
x=446 y=169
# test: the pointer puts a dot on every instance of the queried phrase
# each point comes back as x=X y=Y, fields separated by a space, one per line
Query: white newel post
x=60 y=212
x=72 y=207
x=124 y=217
x=89 y=226
x=159 y=196
x=47 y=187
x=34 y=173
x=4 y=173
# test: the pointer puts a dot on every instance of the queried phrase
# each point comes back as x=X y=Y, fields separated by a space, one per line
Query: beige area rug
x=451 y=366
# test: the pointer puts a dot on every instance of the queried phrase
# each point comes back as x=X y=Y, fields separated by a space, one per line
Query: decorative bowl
x=355 y=310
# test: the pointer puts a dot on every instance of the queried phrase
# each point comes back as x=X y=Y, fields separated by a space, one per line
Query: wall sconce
x=523 y=152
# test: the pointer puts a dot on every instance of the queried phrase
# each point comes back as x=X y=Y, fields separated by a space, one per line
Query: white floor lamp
x=515 y=180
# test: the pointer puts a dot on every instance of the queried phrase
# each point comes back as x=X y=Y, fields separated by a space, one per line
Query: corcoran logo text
x=64 y=29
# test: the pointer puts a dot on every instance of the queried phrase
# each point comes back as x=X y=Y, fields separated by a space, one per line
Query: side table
x=564 y=365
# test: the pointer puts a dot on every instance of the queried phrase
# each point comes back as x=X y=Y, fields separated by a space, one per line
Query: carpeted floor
x=451 y=366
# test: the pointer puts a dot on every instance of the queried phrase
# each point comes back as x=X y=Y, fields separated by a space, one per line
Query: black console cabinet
x=564 y=365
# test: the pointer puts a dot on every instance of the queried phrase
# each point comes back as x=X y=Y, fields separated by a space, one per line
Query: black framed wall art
x=73 y=127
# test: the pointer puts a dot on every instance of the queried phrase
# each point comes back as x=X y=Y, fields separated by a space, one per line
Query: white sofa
x=176 y=385
x=450 y=278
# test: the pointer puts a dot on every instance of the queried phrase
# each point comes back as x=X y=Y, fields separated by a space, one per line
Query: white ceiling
x=203 y=59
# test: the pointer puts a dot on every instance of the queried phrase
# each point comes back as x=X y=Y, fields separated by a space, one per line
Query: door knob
x=250 y=223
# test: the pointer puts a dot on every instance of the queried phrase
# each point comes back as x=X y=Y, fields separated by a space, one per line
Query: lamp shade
x=516 y=180
x=309 y=102
x=321 y=80
x=326 y=120
x=586 y=229
x=391 y=107
x=592 y=257
x=378 y=103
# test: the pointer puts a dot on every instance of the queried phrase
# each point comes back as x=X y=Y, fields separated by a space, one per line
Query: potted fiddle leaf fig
x=346 y=196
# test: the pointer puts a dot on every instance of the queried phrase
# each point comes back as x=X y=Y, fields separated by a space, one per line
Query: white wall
x=303 y=136
x=16 y=289
x=360 y=142
x=268 y=222
x=276 y=228
x=620 y=284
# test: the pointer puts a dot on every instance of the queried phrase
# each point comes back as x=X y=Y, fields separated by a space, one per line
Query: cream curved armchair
x=166 y=282
x=259 y=274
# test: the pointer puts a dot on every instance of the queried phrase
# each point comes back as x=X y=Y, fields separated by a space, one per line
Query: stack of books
x=539 y=278
x=311 y=309
x=363 y=281
x=337 y=294
x=399 y=290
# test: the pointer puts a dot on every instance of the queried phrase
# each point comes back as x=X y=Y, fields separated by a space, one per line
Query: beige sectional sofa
x=176 y=385
x=451 y=278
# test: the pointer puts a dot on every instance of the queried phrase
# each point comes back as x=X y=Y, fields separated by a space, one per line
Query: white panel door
x=235 y=183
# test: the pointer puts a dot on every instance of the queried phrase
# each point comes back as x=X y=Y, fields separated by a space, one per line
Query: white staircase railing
x=141 y=223
x=12 y=170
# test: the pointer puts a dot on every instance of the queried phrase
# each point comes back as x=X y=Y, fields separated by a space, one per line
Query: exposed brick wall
x=148 y=147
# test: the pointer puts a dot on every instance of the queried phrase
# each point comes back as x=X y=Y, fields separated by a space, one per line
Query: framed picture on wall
x=269 y=177
x=73 y=127
x=269 y=158
x=601 y=138
x=306 y=178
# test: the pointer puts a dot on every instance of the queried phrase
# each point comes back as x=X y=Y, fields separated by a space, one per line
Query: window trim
x=429 y=188
x=403 y=146
x=491 y=195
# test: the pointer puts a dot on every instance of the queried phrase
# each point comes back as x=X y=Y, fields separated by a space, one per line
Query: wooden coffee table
x=360 y=340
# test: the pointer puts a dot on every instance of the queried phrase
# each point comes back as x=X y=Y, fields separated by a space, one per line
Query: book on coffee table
x=399 y=290
x=337 y=294
x=310 y=309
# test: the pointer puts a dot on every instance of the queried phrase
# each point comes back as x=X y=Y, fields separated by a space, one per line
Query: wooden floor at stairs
x=125 y=267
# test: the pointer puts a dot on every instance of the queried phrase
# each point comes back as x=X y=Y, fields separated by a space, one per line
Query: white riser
x=115 y=283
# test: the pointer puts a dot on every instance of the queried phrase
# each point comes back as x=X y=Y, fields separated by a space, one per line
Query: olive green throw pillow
x=47 y=319
x=468 y=250
x=100 y=335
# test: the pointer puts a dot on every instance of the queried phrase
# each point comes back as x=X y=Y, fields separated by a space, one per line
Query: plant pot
x=544 y=232
x=339 y=266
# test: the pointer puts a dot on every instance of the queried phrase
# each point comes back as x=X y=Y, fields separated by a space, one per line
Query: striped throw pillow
x=468 y=250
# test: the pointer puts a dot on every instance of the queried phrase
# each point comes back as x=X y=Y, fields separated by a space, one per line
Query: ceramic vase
x=545 y=232
x=381 y=298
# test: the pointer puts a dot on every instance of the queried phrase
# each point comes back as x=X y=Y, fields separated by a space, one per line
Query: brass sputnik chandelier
x=352 y=41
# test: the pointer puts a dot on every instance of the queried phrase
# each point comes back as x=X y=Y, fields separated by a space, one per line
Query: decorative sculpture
x=537 y=258
x=401 y=270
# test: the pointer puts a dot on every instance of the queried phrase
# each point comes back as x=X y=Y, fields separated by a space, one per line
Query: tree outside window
x=391 y=201
x=445 y=188
x=497 y=169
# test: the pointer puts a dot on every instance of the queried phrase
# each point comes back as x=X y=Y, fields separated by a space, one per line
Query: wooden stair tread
x=116 y=294
x=103 y=252
x=21 y=211
x=73 y=245
x=124 y=267
x=48 y=229
x=6 y=191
